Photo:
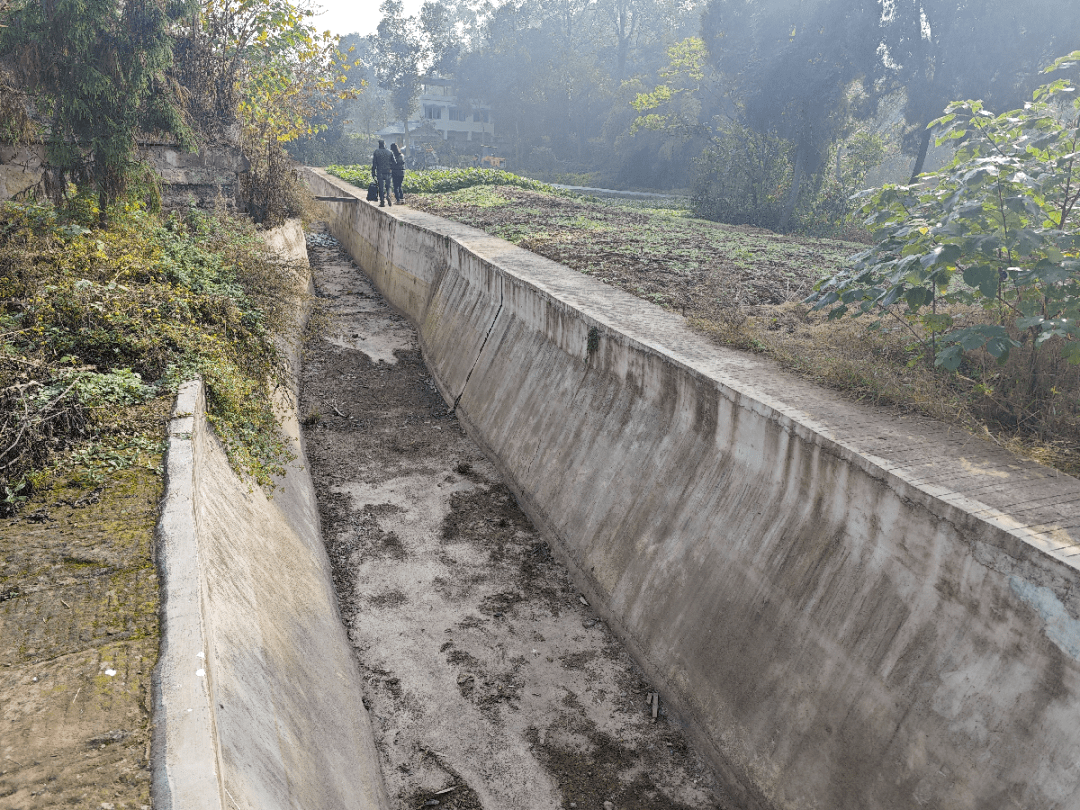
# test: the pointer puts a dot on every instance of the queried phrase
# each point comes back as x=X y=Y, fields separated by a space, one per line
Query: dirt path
x=491 y=684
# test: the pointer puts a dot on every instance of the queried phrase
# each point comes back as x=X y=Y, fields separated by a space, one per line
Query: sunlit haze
x=354 y=16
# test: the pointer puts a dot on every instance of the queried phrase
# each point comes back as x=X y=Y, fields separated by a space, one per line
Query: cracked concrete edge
x=190 y=770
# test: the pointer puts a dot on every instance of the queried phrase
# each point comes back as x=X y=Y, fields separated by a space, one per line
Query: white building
x=437 y=107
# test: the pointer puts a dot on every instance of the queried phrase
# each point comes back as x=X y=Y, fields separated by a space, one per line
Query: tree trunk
x=796 y=183
x=920 y=159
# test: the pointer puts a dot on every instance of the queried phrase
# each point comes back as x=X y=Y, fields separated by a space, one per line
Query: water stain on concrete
x=490 y=683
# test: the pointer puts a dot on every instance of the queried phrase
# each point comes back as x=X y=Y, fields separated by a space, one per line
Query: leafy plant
x=119 y=386
x=95 y=323
x=442 y=181
x=97 y=71
x=985 y=254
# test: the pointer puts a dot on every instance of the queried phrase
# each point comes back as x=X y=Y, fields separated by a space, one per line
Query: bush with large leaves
x=984 y=254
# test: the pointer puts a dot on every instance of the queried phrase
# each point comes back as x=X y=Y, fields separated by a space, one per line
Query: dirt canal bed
x=491 y=684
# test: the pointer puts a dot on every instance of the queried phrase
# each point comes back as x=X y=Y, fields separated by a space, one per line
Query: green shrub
x=94 y=322
x=440 y=181
x=980 y=261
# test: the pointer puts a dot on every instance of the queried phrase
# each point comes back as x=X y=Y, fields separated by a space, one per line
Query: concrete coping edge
x=184 y=752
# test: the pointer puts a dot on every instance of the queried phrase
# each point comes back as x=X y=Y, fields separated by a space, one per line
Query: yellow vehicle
x=493 y=162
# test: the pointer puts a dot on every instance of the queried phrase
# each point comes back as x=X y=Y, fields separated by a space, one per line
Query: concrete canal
x=490 y=680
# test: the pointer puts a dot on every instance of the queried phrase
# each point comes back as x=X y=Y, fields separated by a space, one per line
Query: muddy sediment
x=490 y=681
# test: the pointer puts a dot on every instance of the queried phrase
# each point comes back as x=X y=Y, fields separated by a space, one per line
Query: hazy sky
x=355 y=16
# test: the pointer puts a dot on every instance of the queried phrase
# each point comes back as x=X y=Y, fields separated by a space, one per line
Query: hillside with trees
x=768 y=112
x=107 y=305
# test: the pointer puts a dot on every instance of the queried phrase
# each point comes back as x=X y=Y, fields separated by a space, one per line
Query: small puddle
x=490 y=683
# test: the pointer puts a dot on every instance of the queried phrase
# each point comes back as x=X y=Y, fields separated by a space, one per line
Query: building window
x=458 y=114
x=480 y=116
x=432 y=111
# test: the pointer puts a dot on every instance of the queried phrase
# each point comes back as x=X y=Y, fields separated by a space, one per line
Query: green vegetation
x=96 y=72
x=615 y=238
x=769 y=110
x=994 y=230
x=979 y=262
x=443 y=180
x=96 y=323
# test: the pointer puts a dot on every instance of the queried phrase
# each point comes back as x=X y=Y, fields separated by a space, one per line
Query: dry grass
x=1030 y=409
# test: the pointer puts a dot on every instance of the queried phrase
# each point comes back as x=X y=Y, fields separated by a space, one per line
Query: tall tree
x=97 y=69
x=399 y=50
x=439 y=31
x=795 y=66
x=946 y=50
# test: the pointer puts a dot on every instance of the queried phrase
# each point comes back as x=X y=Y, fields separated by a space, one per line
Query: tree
x=294 y=76
x=688 y=97
x=801 y=70
x=97 y=71
x=625 y=18
x=398 y=65
x=257 y=73
x=997 y=229
x=941 y=50
x=439 y=38
x=556 y=74
x=357 y=105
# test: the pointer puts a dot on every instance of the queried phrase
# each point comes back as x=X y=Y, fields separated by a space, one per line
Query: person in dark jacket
x=398 y=172
x=382 y=167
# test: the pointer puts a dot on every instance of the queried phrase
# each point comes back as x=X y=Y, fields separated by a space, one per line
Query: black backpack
x=373 y=192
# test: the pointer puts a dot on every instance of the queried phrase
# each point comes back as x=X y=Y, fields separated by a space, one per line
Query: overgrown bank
x=745 y=287
x=97 y=327
x=97 y=322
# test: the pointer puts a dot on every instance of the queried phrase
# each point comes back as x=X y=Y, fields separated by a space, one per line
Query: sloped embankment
x=78 y=643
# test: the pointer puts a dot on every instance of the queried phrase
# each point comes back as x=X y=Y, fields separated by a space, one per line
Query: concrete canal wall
x=850 y=610
x=257 y=700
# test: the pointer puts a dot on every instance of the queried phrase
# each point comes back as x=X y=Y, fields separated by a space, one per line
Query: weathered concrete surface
x=206 y=177
x=851 y=610
x=20 y=169
x=258 y=699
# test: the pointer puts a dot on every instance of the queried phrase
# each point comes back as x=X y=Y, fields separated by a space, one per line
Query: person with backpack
x=382 y=167
x=398 y=172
